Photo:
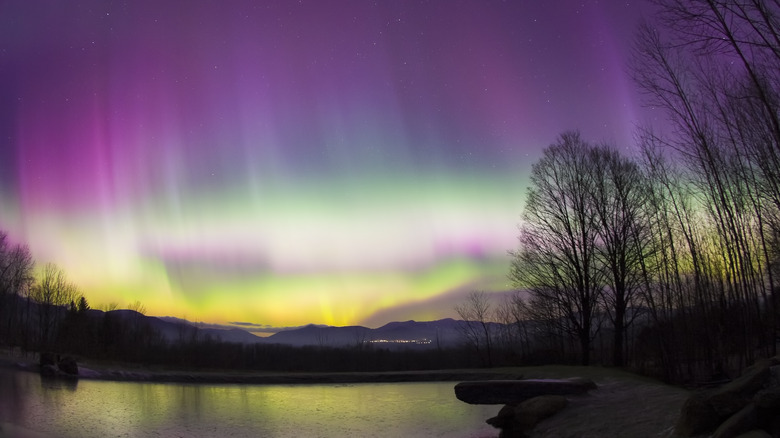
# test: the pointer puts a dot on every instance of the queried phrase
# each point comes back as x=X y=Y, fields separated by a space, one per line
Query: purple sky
x=282 y=162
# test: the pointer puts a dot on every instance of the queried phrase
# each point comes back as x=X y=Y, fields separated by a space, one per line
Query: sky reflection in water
x=125 y=409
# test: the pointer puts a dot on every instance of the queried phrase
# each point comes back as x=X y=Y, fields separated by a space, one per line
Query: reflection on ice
x=128 y=409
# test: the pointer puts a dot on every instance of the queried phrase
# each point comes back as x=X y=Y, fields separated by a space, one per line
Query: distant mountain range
x=429 y=334
x=407 y=334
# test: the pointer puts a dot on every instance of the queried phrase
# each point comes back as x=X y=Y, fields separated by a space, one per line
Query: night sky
x=290 y=162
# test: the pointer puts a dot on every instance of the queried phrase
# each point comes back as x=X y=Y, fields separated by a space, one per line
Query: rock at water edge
x=68 y=365
x=497 y=392
x=516 y=420
x=532 y=411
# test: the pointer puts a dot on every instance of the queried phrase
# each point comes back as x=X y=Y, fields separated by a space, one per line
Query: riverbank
x=94 y=370
x=262 y=378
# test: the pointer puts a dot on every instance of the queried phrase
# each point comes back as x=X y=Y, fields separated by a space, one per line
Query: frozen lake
x=129 y=409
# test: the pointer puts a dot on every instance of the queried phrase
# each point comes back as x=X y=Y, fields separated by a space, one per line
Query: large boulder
x=774 y=375
x=697 y=416
x=517 y=420
x=752 y=401
x=768 y=398
x=504 y=418
x=532 y=411
x=735 y=395
x=496 y=392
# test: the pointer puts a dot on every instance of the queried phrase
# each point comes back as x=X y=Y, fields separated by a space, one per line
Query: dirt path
x=619 y=408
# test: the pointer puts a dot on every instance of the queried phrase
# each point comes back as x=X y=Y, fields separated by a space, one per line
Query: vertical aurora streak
x=292 y=162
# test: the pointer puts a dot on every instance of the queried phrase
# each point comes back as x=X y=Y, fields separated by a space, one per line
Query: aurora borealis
x=291 y=162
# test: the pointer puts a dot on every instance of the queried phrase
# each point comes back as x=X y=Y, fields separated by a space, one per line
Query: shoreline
x=613 y=402
x=106 y=372
x=260 y=378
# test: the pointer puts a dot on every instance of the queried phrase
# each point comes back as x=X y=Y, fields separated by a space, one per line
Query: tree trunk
x=618 y=350
x=585 y=347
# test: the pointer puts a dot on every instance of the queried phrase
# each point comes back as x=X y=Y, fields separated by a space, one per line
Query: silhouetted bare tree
x=16 y=266
x=476 y=314
x=514 y=337
x=52 y=292
x=714 y=66
x=619 y=199
x=557 y=260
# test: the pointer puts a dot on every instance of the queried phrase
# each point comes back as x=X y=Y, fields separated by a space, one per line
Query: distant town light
x=400 y=341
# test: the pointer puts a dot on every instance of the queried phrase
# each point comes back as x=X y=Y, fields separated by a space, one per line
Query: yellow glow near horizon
x=281 y=301
x=316 y=256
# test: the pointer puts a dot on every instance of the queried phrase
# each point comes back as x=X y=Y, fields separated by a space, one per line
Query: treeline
x=127 y=336
x=31 y=308
x=665 y=261
x=672 y=252
x=46 y=313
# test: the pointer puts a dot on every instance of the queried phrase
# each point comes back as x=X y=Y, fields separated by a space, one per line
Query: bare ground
x=624 y=405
